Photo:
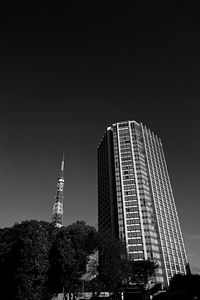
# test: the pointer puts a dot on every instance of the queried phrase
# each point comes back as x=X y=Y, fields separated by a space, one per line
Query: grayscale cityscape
x=100 y=143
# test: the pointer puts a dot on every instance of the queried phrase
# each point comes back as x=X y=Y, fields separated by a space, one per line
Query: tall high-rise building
x=57 y=216
x=135 y=198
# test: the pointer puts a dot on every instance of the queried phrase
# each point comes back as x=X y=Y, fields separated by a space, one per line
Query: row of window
x=135 y=234
x=134 y=227
x=135 y=241
x=127 y=198
x=130 y=203
x=136 y=256
x=126 y=163
x=135 y=248
x=132 y=209
x=125 y=149
x=133 y=221
x=129 y=192
x=130 y=187
x=129 y=182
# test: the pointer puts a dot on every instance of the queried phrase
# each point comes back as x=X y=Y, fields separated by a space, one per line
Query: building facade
x=135 y=198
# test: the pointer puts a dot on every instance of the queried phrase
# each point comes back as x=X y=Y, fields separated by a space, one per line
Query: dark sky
x=68 y=72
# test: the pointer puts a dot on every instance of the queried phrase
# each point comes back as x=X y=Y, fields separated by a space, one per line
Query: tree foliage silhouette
x=141 y=272
x=38 y=260
x=112 y=265
x=69 y=255
x=24 y=261
x=117 y=271
x=189 y=283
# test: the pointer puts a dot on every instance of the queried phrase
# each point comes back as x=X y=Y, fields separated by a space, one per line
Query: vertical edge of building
x=107 y=209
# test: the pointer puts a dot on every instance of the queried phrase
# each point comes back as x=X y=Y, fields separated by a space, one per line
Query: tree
x=24 y=261
x=113 y=265
x=188 y=283
x=69 y=255
x=117 y=272
x=90 y=278
x=141 y=272
x=38 y=259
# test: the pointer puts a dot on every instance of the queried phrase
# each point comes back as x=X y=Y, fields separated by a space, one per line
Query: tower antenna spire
x=57 y=216
x=63 y=165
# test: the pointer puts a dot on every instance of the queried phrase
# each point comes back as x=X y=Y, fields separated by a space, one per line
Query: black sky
x=69 y=71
